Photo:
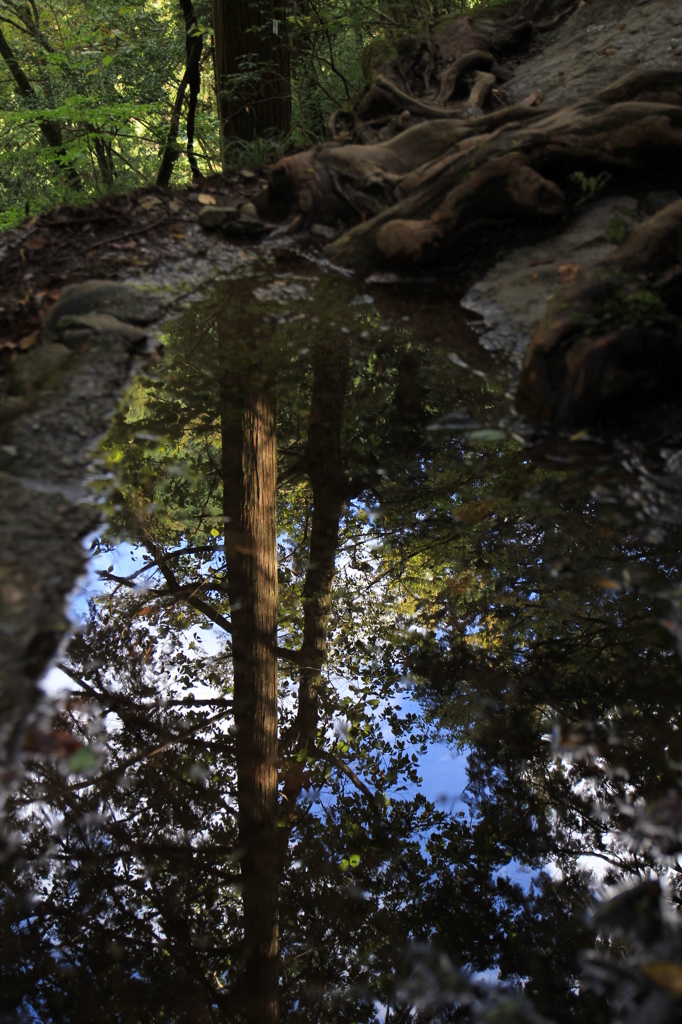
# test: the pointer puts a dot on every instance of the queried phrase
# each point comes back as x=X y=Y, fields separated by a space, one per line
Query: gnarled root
x=448 y=191
x=613 y=334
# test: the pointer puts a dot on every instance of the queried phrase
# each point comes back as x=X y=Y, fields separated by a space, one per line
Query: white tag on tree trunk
x=275 y=27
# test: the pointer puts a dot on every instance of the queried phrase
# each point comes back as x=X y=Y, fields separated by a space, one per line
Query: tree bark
x=191 y=78
x=249 y=502
x=252 y=68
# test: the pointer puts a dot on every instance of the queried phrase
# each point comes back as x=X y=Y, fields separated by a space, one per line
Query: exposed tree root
x=517 y=171
x=612 y=335
x=449 y=76
x=441 y=152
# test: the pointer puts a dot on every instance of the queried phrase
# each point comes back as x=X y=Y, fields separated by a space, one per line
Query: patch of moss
x=640 y=307
x=616 y=231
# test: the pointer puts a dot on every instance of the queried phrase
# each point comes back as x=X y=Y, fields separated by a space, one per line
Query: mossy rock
x=374 y=55
x=33 y=370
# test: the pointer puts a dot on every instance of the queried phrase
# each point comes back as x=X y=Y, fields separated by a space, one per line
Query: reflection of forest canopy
x=406 y=584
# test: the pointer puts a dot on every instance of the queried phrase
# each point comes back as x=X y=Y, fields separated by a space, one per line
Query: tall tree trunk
x=252 y=68
x=50 y=130
x=249 y=454
x=191 y=78
x=105 y=160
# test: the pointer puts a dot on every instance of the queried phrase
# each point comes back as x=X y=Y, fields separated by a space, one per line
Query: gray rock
x=323 y=231
x=212 y=217
x=247 y=211
x=35 y=368
x=599 y=43
x=119 y=300
x=102 y=324
x=11 y=407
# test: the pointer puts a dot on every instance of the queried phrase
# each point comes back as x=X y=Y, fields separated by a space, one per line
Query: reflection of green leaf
x=84 y=760
x=487 y=434
x=354 y=860
x=344 y=865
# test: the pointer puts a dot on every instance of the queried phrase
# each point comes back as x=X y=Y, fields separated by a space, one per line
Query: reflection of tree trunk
x=330 y=487
x=249 y=481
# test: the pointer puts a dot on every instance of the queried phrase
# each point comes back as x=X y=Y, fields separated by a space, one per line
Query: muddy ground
x=58 y=390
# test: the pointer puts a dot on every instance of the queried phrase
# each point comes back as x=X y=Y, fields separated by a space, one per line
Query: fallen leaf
x=530 y=101
x=474 y=512
x=665 y=974
x=206 y=200
x=29 y=340
x=36 y=242
x=175 y=206
x=149 y=202
x=568 y=272
x=606 y=582
x=84 y=760
x=486 y=434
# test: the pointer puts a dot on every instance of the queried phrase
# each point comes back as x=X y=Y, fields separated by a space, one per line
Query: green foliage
x=265 y=149
x=590 y=187
x=639 y=306
x=106 y=77
x=615 y=231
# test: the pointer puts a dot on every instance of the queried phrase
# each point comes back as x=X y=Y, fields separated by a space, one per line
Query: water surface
x=374 y=688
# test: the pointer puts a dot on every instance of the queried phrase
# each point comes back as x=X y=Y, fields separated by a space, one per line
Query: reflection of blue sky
x=442 y=768
x=444 y=776
x=122 y=560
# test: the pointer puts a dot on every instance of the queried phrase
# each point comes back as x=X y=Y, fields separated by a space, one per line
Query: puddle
x=368 y=677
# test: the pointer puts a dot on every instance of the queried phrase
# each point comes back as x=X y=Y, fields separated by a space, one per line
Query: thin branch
x=136 y=759
x=344 y=769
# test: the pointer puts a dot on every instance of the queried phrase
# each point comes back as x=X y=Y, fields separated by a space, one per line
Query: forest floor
x=153 y=237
